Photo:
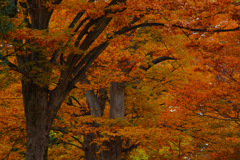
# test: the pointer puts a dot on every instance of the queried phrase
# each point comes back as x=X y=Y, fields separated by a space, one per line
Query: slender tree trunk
x=97 y=109
x=35 y=104
x=117 y=110
x=94 y=103
x=117 y=91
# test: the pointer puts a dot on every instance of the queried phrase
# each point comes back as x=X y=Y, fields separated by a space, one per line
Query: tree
x=41 y=50
x=97 y=101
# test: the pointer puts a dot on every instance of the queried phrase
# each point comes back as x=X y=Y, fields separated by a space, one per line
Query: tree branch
x=71 y=144
x=127 y=29
x=130 y=148
x=157 y=60
x=15 y=68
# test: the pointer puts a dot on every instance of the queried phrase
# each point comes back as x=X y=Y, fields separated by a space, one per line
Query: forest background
x=119 y=79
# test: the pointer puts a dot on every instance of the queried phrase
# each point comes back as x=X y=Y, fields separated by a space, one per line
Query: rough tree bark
x=35 y=105
x=35 y=97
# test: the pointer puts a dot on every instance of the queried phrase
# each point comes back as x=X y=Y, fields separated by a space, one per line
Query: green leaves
x=139 y=154
x=7 y=10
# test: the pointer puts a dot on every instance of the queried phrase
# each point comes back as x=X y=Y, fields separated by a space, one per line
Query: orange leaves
x=12 y=122
x=42 y=38
x=174 y=109
x=95 y=10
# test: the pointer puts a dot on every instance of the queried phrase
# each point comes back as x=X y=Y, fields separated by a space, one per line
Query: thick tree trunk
x=35 y=100
x=41 y=108
x=36 y=97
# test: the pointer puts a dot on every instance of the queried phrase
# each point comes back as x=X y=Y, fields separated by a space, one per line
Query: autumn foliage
x=127 y=79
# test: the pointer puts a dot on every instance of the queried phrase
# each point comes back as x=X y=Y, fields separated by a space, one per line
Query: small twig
x=77 y=140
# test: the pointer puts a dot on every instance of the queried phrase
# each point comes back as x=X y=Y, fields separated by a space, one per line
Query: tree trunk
x=35 y=100
x=94 y=103
x=117 y=90
x=90 y=148
x=113 y=149
x=36 y=97
x=97 y=105
x=109 y=150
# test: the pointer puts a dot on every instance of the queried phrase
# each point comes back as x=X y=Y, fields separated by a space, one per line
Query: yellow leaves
x=12 y=122
x=42 y=38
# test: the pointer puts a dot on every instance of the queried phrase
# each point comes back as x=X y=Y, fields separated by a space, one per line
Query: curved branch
x=127 y=29
x=157 y=60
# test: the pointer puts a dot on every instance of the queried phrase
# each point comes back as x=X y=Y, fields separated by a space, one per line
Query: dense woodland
x=120 y=79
